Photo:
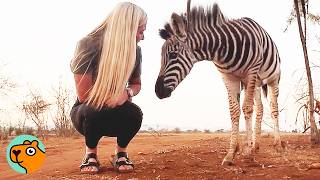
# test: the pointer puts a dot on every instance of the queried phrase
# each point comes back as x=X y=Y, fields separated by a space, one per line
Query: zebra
x=246 y=57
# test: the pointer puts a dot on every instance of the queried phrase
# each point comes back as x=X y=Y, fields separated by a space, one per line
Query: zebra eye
x=173 y=55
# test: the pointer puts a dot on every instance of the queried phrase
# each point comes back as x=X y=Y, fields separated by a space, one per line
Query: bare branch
x=6 y=83
x=34 y=108
x=303 y=106
x=62 y=103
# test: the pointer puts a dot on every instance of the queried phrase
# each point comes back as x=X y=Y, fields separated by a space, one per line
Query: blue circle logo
x=25 y=154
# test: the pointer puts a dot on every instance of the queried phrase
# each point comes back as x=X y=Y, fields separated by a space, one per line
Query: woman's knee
x=133 y=117
x=76 y=120
x=84 y=118
x=136 y=113
x=87 y=112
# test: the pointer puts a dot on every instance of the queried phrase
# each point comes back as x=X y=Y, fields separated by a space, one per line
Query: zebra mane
x=211 y=16
x=198 y=15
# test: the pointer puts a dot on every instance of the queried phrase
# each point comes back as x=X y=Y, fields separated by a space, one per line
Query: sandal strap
x=117 y=163
x=122 y=154
x=92 y=155
x=86 y=163
x=125 y=162
x=90 y=164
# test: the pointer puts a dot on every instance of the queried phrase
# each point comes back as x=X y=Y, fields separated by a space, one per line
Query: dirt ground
x=178 y=156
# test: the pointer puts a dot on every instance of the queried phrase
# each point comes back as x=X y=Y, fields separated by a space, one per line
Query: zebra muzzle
x=161 y=90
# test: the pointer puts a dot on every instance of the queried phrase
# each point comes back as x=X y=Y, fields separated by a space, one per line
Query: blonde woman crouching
x=107 y=68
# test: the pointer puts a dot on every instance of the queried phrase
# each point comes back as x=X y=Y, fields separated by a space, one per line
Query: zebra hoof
x=226 y=162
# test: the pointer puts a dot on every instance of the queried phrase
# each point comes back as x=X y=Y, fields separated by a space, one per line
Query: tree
x=61 y=119
x=6 y=83
x=315 y=139
x=34 y=109
x=309 y=15
x=304 y=109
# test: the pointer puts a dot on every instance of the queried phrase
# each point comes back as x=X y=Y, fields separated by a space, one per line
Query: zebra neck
x=206 y=45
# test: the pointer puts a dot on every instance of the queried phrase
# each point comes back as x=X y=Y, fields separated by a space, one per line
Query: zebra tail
x=265 y=90
x=241 y=86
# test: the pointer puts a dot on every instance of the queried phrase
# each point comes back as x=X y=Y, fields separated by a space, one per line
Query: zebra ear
x=178 y=26
x=164 y=34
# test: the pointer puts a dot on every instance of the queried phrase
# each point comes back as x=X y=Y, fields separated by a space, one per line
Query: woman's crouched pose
x=107 y=68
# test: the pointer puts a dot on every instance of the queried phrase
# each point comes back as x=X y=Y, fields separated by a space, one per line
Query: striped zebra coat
x=241 y=50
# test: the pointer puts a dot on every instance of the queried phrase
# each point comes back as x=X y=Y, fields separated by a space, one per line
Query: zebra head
x=177 y=58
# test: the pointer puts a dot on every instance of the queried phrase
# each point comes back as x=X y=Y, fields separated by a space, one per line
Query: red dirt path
x=178 y=156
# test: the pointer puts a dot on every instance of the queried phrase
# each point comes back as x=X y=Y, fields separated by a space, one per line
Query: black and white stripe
x=242 y=51
x=239 y=47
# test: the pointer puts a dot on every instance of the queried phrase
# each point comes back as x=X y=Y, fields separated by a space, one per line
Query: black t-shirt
x=89 y=60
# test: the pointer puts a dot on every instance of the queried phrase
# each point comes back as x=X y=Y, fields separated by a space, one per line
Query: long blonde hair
x=118 y=54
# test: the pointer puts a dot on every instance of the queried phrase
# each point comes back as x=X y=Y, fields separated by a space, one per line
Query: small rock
x=141 y=153
x=286 y=177
x=314 y=166
x=240 y=171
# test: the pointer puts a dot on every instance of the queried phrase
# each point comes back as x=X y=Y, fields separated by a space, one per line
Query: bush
x=4 y=133
x=207 y=131
x=177 y=130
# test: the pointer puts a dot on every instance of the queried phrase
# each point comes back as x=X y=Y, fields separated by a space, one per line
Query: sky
x=38 y=39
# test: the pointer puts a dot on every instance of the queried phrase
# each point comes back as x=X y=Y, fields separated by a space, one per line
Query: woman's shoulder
x=86 y=55
x=89 y=42
x=83 y=41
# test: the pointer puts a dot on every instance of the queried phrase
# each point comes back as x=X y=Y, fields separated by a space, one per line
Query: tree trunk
x=315 y=139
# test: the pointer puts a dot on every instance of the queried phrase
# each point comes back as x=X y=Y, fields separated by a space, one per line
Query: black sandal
x=116 y=163
x=86 y=163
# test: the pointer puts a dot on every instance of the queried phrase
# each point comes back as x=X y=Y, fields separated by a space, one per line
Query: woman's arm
x=83 y=85
x=135 y=85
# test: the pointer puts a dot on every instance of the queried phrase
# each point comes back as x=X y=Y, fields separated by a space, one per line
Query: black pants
x=122 y=122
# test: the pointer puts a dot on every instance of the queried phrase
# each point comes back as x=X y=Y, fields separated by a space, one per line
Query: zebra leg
x=247 y=109
x=273 y=90
x=233 y=88
x=259 y=113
